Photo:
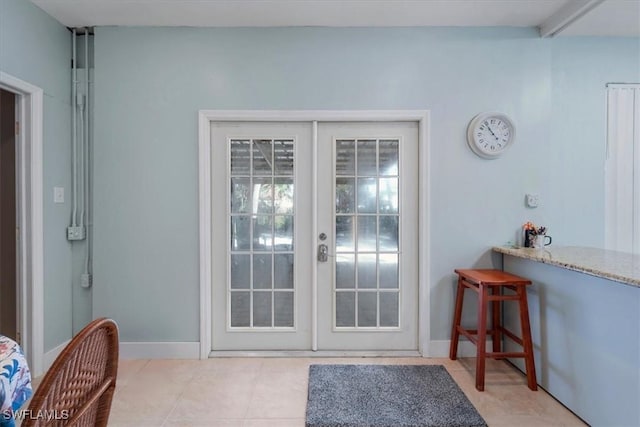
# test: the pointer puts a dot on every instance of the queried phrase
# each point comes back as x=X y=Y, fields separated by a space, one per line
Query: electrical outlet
x=75 y=233
x=58 y=194
x=532 y=200
x=86 y=280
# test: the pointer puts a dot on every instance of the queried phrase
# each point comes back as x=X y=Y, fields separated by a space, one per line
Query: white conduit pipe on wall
x=81 y=107
x=83 y=131
x=74 y=142
x=87 y=281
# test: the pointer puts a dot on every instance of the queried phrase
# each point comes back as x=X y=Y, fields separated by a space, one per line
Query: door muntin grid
x=367 y=288
x=260 y=285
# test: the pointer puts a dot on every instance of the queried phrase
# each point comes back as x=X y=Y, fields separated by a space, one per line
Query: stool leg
x=496 y=321
x=526 y=338
x=481 y=347
x=457 y=316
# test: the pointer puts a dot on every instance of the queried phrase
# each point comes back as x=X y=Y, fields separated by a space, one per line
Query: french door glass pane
x=240 y=233
x=345 y=271
x=263 y=233
x=344 y=234
x=367 y=308
x=240 y=157
x=241 y=191
x=262 y=271
x=388 y=195
x=345 y=195
x=283 y=153
x=367 y=233
x=388 y=233
x=389 y=309
x=240 y=271
x=367 y=158
x=262 y=309
x=345 y=309
x=283 y=271
x=388 y=270
x=262 y=199
x=240 y=308
x=367 y=219
x=367 y=275
x=283 y=195
x=345 y=158
x=262 y=196
x=283 y=233
x=388 y=157
x=262 y=157
x=283 y=306
x=367 y=195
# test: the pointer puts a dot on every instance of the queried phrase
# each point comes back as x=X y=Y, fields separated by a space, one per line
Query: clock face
x=490 y=134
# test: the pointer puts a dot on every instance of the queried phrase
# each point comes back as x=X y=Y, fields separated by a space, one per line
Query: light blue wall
x=36 y=48
x=151 y=82
x=581 y=68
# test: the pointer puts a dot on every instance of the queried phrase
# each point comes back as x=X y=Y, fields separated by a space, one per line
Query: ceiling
x=551 y=17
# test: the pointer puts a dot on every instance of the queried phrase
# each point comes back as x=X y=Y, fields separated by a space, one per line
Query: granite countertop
x=617 y=266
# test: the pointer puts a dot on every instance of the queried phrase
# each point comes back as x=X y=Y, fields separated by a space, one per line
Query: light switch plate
x=58 y=194
x=532 y=200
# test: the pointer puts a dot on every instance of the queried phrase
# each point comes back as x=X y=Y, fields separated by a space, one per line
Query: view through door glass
x=367 y=233
x=262 y=223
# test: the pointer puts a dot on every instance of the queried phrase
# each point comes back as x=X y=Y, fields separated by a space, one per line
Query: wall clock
x=490 y=134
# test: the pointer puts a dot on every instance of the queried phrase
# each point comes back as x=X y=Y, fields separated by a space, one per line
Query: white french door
x=261 y=217
x=368 y=208
x=359 y=247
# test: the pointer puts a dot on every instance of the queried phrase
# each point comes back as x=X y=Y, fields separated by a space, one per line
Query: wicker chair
x=78 y=388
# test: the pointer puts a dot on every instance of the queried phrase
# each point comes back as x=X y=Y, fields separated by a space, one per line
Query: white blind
x=622 y=169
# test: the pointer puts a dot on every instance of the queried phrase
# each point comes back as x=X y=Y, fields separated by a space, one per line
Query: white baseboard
x=159 y=350
x=191 y=350
x=440 y=348
x=50 y=356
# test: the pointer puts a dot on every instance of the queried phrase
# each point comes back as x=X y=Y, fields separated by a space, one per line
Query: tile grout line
x=178 y=397
x=253 y=392
x=127 y=380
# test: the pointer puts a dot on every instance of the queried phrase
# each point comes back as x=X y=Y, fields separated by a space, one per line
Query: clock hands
x=492 y=133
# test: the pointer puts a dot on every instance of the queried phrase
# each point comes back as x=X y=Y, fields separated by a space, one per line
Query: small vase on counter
x=527 y=238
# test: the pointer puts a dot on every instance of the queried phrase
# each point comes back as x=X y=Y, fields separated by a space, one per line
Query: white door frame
x=205 y=117
x=30 y=116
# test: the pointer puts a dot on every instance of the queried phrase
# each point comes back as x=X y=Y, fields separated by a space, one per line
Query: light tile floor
x=261 y=392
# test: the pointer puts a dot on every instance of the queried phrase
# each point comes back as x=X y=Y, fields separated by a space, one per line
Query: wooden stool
x=481 y=281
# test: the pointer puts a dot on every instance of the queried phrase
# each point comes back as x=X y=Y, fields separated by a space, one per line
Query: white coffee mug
x=539 y=241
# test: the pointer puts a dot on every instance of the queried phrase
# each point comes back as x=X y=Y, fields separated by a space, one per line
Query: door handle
x=323 y=253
